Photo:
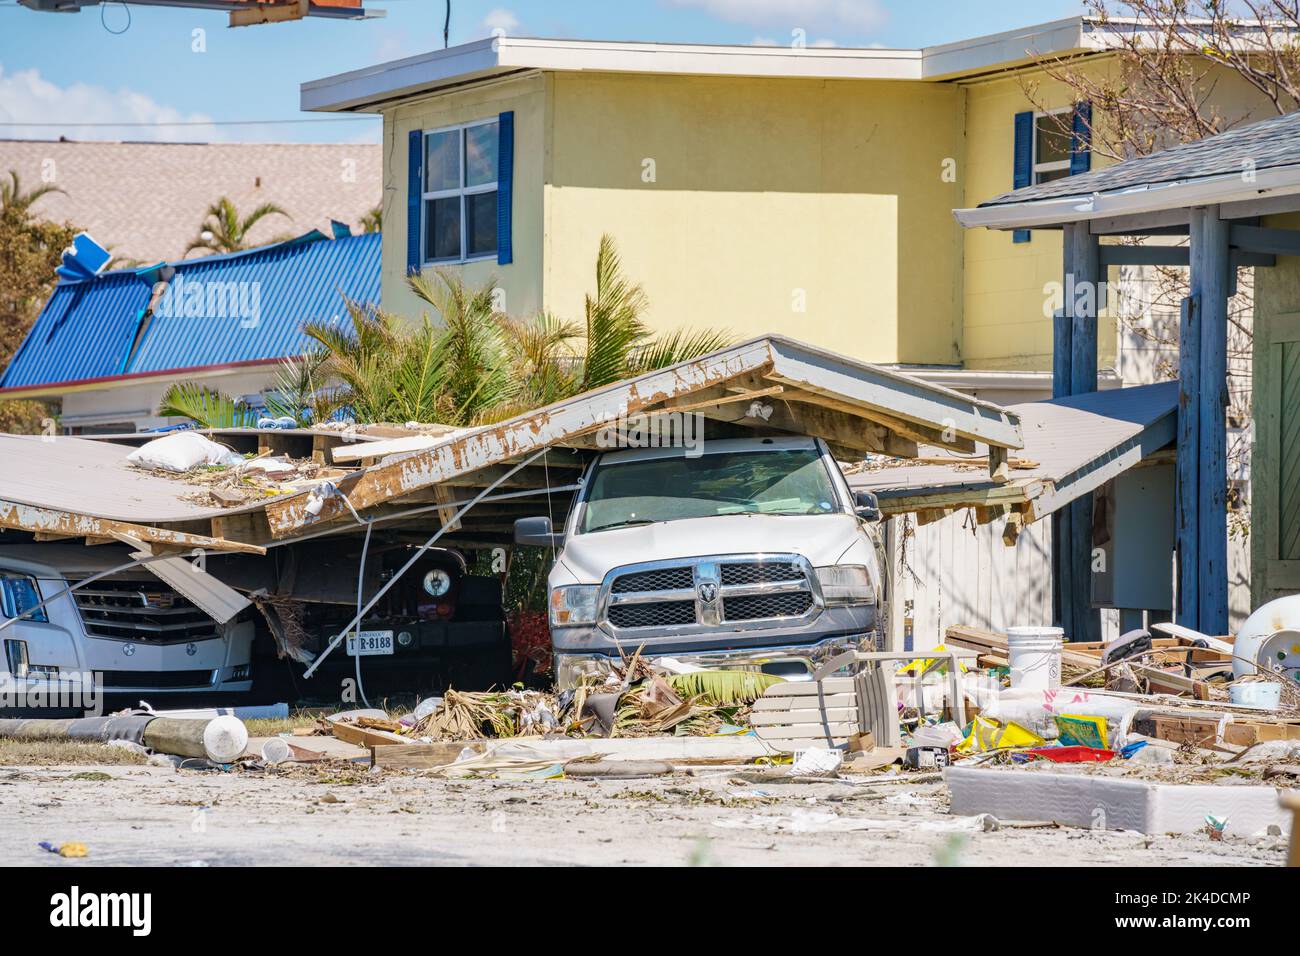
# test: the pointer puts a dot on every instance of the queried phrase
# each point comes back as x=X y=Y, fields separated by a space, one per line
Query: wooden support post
x=1212 y=284
x=1061 y=346
x=1085 y=295
x=1189 y=367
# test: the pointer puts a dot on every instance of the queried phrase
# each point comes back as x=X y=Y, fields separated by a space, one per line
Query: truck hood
x=822 y=539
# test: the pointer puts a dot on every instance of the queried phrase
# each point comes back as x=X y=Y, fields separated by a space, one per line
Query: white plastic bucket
x=1034 y=655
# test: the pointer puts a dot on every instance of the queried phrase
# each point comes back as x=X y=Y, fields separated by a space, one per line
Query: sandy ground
x=148 y=815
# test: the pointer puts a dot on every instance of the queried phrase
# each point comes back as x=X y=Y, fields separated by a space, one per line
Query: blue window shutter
x=505 y=183
x=1022 y=170
x=414 y=190
x=1081 y=139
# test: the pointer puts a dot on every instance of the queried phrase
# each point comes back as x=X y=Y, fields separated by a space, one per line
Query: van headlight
x=575 y=604
x=846 y=584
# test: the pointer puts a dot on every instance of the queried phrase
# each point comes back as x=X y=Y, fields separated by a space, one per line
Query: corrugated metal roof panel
x=84 y=331
x=251 y=306
x=243 y=307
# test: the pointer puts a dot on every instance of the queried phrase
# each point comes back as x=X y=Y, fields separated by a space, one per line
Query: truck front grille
x=749 y=591
x=653 y=614
x=146 y=611
x=741 y=574
x=663 y=579
x=756 y=606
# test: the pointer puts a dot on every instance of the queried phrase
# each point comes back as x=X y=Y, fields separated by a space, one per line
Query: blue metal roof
x=218 y=310
x=84 y=331
x=251 y=306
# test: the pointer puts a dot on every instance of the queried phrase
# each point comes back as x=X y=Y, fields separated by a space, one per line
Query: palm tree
x=206 y=407
x=302 y=389
x=474 y=365
x=477 y=375
x=13 y=199
x=617 y=343
x=223 y=230
x=373 y=221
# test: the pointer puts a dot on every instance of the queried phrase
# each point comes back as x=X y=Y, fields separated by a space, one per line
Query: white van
x=136 y=635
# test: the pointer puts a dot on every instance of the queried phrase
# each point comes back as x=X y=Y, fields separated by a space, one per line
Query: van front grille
x=147 y=611
x=158 y=680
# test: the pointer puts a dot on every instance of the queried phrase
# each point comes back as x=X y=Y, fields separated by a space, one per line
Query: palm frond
x=680 y=345
x=300 y=390
x=13 y=198
x=205 y=407
x=723 y=688
x=613 y=324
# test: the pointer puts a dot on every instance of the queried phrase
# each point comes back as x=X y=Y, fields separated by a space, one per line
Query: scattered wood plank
x=409 y=756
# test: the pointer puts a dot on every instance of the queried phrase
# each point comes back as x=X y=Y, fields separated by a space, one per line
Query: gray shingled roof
x=145 y=200
x=1272 y=142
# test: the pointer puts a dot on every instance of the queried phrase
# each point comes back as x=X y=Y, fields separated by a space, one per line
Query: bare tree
x=1163 y=85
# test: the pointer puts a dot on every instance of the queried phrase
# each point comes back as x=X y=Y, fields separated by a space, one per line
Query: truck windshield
x=785 y=481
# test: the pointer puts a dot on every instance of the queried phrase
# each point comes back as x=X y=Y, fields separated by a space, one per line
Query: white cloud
x=501 y=19
x=27 y=98
x=823 y=16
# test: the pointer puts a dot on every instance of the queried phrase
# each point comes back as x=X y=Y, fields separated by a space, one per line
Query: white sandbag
x=181 y=451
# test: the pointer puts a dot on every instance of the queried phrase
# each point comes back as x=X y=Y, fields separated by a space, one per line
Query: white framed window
x=459 y=203
x=1051 y=145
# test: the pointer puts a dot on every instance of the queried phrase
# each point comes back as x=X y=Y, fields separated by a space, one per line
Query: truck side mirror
x=537 y=531
x=866 y=505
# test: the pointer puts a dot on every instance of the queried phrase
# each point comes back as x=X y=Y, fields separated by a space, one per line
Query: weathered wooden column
x=1187 y=611
x=1088 y=296
x=1062 y=347
x=1211 y=267
x=1074 y=372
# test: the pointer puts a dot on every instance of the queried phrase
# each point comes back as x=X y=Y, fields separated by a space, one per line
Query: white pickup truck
x=130 y=633
x=753 y=553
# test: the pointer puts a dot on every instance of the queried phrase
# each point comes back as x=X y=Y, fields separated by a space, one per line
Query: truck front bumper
x=792 y=653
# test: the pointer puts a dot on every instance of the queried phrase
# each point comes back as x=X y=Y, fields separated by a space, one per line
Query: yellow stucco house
x=801 y=191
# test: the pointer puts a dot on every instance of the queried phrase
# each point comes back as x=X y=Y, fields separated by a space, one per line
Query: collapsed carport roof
x=1072 y=446
x=857 y=408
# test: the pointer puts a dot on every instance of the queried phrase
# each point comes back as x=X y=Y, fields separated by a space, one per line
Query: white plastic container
x=1034 y=656
x=1256 y=693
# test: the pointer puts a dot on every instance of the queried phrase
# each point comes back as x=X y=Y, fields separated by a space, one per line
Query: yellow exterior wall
x=765 y=192
x=1004 y=325
x=768 y=196
x=520 y=280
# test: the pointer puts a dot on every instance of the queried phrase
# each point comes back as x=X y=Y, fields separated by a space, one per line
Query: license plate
x=370 y=642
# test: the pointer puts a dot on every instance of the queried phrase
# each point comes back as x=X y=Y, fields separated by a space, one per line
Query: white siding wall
x=962 y=577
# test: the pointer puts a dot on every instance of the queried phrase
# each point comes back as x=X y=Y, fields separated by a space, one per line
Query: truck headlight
x=575 y=604
x=572 y=669
x=846 y=584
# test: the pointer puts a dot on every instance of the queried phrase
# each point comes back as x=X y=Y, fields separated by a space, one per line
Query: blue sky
x=118 y=64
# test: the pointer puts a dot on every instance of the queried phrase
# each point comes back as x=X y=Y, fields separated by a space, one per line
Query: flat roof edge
x=428 y=72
